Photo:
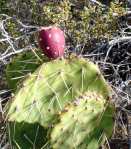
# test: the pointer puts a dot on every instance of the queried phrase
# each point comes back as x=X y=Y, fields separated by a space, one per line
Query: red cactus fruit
x=52 y=41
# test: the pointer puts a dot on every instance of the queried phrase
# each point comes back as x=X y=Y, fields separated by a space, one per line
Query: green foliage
x=46 y=92
x=3 y=6
x=83 y=22
x=12 y=28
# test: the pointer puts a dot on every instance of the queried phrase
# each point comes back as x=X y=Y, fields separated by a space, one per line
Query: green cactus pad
x=27 y=136
x=84 y=124
x=45 y=92
x=20 y=66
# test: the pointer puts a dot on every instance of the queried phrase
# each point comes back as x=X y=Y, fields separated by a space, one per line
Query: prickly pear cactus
x=83 y=124
x=26 y=136
x=20 y=66
x=53 y=85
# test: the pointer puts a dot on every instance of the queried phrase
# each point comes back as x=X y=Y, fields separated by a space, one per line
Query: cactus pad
x=44 y=93
x=83 y=124
x=20 y=66
x=27 y=136
x=55 y=83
